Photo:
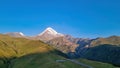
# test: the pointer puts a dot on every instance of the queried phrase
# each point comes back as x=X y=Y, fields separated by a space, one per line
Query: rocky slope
x=62 y=44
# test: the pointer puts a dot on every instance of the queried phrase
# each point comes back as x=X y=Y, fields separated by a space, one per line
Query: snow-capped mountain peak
x=49 y=30
x=49 y=33
x=21 y=34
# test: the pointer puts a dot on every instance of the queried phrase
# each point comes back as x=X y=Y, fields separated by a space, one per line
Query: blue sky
x=79 y=18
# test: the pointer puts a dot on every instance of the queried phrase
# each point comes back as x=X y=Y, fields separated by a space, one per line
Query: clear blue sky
x=79 y=18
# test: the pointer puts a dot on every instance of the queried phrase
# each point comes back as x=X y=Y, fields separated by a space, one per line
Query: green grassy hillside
x=42 y=60
x=96 y=64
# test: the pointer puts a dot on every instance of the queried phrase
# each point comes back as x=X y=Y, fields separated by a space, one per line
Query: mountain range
x=24 y=53
x=52 y=37
x=62 y=42
x=79 y=47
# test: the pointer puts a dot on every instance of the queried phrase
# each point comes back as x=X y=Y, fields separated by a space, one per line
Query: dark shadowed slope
x=104 y=53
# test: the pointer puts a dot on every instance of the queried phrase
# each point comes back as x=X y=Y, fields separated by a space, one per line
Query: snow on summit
x=49 y=34
x=51 y=31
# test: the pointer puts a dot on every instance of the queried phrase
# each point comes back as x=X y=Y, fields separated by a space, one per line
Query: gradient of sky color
x=79 y=18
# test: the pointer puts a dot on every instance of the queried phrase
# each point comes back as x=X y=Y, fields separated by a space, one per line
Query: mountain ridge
x=15 y=34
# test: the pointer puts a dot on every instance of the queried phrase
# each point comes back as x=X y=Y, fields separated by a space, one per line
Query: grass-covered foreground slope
x=45 y=60
x=96 y=64
x=49 y=61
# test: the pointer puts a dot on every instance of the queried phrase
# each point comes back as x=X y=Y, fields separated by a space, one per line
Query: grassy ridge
x=112 y=40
